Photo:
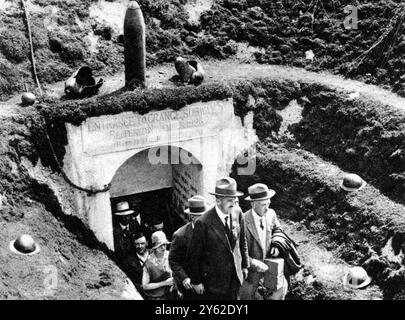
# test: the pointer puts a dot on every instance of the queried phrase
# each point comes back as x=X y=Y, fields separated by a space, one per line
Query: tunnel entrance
x=155 y=207
x=157 y=183
x=111 y=151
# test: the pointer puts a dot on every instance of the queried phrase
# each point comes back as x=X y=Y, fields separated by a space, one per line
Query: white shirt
x=138 y=218
x=222 y=216
x=144 y=257
x=126 y=227
x=260 y=231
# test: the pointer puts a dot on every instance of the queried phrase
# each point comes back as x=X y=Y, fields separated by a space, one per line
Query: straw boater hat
x=24 y=245
x=352 y=182
x=123 y=209
x=158 y=238
x=356 y=278
x=259 y=191
x=196 y=206
x=226 y=187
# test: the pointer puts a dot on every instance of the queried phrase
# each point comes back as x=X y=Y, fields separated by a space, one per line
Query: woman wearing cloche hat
x=157 y=279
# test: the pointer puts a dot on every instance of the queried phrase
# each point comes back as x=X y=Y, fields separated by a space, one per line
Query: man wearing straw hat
x=218 y=256
x=180 y=245
x=123 y=230
x=260 y=222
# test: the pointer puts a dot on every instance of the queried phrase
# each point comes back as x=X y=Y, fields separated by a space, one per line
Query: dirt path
x=229 y=70
x=324 y=267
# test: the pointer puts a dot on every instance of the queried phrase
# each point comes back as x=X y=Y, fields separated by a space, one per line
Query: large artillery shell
x=134 y=46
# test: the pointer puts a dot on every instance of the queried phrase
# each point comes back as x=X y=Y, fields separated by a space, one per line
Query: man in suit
x=138 y=222
x=123 y=230
x=218 y=257
x=179 y=248
x=260 y=223
x=135 y=261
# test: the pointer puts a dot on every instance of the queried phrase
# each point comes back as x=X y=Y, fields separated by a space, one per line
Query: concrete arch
x=151 y=169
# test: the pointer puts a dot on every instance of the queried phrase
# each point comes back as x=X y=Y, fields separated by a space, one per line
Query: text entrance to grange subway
x=157 y=191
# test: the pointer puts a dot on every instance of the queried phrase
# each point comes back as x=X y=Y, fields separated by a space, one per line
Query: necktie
x=228 y=232
x=226 y=224
x=261 y=223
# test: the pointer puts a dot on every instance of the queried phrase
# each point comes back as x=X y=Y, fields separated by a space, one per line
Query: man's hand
x=274 y=252
x=187 y=284
x=198 y=288
x=259 y=265
x=245 y=273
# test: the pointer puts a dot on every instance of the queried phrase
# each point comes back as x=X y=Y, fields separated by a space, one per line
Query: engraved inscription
x=129 y=130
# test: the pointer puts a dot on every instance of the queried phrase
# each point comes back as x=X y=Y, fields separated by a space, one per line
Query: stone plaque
x=129 y=130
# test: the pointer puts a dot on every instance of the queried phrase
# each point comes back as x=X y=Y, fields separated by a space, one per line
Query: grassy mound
x=360 y=135
x=65 y=37
x=356 y=225
x=287 y=29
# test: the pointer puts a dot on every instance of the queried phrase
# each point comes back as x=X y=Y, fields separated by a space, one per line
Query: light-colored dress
x=158 y=270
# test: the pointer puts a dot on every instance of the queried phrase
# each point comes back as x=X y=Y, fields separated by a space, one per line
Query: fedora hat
x=158 y=238
x=123 y=209
x=196 y=206
x=352 y=182
x=356 y=278
x=259 y=191
x=24 y=245
x=226 y=187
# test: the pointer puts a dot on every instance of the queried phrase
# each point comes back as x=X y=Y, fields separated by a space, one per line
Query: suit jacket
x=136 y=227
x=255 y=249
x=133 y=267
x=122 y=241
x=179 y=252
x=211 y=259
x=288 y=250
